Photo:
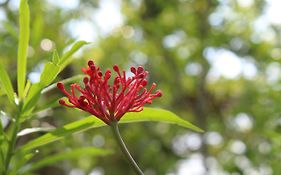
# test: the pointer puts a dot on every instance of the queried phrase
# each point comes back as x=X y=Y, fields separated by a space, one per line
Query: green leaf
x=71 y=154
x=64 y=59
x=148 y=114
x=37 y=89
x=19 y=162
x=59 y=133
x=56 y=57
x=49 y=73
x=27 y=87
x=6 y=84
x=31 y=99
x=23 y=45
x=2 y=91
x=27 y=131
x=158 y=115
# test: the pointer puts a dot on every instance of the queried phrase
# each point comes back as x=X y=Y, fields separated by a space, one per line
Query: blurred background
x=216 y=61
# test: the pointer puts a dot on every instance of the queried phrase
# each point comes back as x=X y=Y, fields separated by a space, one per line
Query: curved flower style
x=110 y=102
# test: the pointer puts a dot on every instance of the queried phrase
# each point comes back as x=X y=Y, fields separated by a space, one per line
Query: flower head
x=110 y=102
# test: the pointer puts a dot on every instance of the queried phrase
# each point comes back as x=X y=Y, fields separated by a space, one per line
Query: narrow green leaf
x=27 y=131
x=64 y=59
x=56 y=57
x=71 y=154
x=6 y=84
x=27 y=87
x=19 y=162
x=148 y=114
x=23 y=45
x=49 y=73
x=32 y=98
x=59 y=133
x=37 y=89
x=158 y=115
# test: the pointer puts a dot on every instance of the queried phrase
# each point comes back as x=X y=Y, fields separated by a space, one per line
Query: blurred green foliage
x=173 y=41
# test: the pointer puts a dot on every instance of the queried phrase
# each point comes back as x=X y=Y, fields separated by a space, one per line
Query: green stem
x=118 y=138
x=12 y=144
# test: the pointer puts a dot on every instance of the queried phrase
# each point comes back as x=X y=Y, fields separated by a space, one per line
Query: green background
x=178 y=42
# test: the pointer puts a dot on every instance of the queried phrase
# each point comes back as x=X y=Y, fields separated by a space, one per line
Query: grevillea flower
x=110 y=102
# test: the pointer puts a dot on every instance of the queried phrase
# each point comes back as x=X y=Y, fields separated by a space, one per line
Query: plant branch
x=118 y=138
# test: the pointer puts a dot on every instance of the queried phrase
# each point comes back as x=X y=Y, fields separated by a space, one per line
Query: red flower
x=110 y=102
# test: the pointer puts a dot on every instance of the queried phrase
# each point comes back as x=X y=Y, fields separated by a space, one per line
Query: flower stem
x=118 y=138
x=12 y=144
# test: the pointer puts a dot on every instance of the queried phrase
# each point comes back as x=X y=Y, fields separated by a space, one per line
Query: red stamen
x=133 y=70
x=62 y=102
x=110 y=102
x=60 y=85
x=140 y=69
x=116 y=68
